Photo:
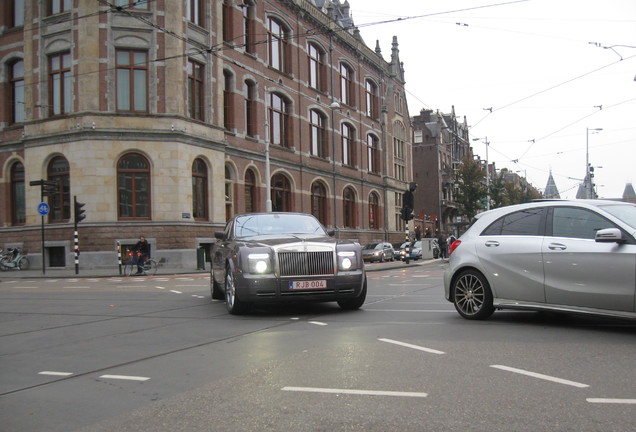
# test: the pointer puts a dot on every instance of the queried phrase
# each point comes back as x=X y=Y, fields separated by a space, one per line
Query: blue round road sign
x=43 y=208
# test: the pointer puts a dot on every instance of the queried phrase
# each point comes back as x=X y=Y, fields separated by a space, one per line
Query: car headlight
x=346 y=260
x=259 y=263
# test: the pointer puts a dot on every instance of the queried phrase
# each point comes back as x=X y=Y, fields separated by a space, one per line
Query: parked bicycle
x=14 y=259
x=149 y=267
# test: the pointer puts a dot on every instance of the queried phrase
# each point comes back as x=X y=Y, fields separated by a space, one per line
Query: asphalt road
x=155 y=354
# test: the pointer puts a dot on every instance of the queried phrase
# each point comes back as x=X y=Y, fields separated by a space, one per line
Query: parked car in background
x=416 y=250
x=562 y=256
x=284 y=257
x=381 y=252
x=400 y=250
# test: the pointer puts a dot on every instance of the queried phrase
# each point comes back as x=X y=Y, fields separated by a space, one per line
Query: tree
x=498 y=196
x=471 y=193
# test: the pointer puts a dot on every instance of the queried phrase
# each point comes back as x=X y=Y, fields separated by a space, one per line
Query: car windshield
x=373 y=246
x=626 y=213
x=404 y=245
x=277 y=224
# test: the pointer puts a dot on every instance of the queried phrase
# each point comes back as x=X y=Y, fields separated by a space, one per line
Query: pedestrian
x=441 y=241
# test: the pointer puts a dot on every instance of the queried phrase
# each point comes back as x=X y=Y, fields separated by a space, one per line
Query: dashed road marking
x=54 y=373
x=611 y=401
x=317 y=323
x=125 y=377
x=540 y=376
x=355 y=392
x=415 y=347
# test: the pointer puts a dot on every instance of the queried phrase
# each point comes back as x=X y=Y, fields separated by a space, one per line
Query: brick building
x=167 y=117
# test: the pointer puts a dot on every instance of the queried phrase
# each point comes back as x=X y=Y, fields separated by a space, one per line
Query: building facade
x=440 y=142
x=166 y=118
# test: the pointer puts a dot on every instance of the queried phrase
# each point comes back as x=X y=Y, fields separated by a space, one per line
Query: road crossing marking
x=611 y=401
x=54 y=373
x=355 y=392
x=540 y=376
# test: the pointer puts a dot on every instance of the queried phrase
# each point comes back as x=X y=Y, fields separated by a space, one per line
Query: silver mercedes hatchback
x=563 y=256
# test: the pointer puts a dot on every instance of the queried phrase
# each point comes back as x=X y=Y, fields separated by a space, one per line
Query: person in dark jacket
x=143 y=249
x=443 y=249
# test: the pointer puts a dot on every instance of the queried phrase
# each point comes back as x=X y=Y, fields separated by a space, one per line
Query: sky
x=534 y=79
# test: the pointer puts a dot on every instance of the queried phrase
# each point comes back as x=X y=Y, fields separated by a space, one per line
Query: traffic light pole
x=78 y=216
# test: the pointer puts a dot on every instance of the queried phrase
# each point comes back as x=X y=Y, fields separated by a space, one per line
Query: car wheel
x=382 y=258
x=232 y=303
x=472 y=296
x=355 y=303
x=215 y=289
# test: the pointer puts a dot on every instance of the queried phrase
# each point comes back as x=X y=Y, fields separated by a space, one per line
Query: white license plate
x=310 y=284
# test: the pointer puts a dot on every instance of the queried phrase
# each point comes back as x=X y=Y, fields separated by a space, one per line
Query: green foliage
x=471 y=192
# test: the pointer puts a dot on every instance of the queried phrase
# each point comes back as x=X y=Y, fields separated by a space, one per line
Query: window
x=199 y=190
x=374 y=211
x=521 y=223
x=132 y=81
x=195 y=90
x=279 y=121
x=281 y=193
x=227 y=22
x=373 y=154
x=249 y=11
x=60 y=200
x=16 y=80
x=317 y=134
x=194 y=11
x=278 y=48
x=399 y=151
x=58 y=6
x=371 y=96
x=346 y=85
x=317 y=69
x=229 y=193
x=16 y=13
x=228 y=101
x=133 y=186
x=132 y=4
x=577 y=223
x=251 y=204
x=250 y=109
x=18 y=201
x=348 y=144
x=59 y=84
x=349 y=208
x=319 y=202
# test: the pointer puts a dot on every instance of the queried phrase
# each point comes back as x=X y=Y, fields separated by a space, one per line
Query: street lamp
x=588 y=178
x=485 y=140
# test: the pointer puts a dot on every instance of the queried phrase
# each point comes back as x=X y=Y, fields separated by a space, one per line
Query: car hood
x=277 y=241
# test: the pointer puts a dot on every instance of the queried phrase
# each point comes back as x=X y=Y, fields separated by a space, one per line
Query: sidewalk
x=69 y=273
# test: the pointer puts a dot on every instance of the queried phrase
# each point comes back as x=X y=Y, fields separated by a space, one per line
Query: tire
x=150 y=267
x=130 y=269
x=2 y=266
x=24 y=263
x=472 y=295
x=355 y=303
x=382 y=258
x=215 y=289
x=232 y=303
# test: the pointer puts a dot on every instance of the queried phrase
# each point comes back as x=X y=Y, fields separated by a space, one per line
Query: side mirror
x=609 y=235
x=220 y=235
x=331 y=232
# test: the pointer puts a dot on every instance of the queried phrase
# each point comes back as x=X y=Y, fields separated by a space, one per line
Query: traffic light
x=79 y=213
x=406 y=213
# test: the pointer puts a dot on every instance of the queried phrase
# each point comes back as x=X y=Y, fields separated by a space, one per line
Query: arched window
x=16 y=79
x=60 y=200
x=277 y=42
x=374 y=211
x=133 y=187
x=251 y=203
x=319 y=202
x=199 y=190
x=18 y=202
x=229 y=193
x=281 y=193
x=347 y=94
x=349 y=208
x=249 y=13
x=280 y=133
x=250 y=109
x=371 y=94
x=317 y=68
x=317 y=133
x=228 y=28
x=348 y=144
x=373 y=153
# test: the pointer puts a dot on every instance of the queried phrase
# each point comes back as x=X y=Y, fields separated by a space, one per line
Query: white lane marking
x=355 y=392
x=54 y=373
x=129 y=286
x=408 y=345
x=611 y=401
x=125 y=377
x=317 y=323
x=420 y=276
x=176 y=292
x=25 y=287
x=76 y=287
x=159 y=287
x=197 y=296
x=540 y=376
x=199 y=285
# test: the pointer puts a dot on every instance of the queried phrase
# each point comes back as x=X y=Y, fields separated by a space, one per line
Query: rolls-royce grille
x=305 y=263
